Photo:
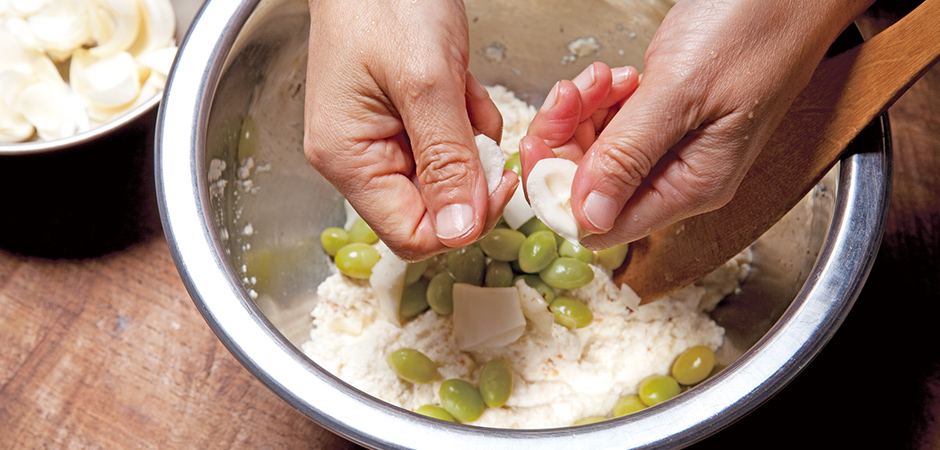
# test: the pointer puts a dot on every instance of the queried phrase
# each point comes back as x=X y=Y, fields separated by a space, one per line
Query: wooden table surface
x=109 y=352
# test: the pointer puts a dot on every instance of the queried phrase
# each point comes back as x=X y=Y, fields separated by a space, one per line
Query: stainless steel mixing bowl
x=245 y=237
x=88 y=194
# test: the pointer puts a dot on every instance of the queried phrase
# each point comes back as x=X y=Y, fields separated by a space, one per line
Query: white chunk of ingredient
x=108 y=82
x=517 y=211
x=115 y=25
x=629 y=297
x=493 y=160
x=535 y=308
x=41 y=104
x=388 y=281
x=486 y=317
x=159 y=21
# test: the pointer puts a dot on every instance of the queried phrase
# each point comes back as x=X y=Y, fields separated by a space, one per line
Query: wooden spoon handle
x=845 y=93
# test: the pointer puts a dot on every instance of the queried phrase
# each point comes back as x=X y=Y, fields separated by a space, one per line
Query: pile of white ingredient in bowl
x=560 y=376
x=67 y=66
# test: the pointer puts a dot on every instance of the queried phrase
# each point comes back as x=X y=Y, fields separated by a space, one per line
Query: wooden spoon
x=845 y=93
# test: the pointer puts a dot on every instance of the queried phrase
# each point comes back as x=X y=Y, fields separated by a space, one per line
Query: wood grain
x=111 y=353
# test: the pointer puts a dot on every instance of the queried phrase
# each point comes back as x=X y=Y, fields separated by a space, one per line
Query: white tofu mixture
x=559 y=377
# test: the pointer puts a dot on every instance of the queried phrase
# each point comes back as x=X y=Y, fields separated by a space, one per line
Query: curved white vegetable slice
x=549 y=188
x=486 y=317
x=42 y=68
x=13 y=126
x=46 y=105
x=493 y=160
x=535 y=308
x=105 y=83
x=115 y=25
x=15 y=38
x=61 y=26
x=159 y=61
x=388 y=281
x=29 y=82
x=26 y=7
x=150 y=88
x=158 y=27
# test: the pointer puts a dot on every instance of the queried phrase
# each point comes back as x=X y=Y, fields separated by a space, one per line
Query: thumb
x=449 y=173
x=623 y=158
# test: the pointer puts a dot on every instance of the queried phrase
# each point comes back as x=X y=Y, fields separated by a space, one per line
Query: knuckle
x=314 y=150
x=444 y=164
x=428 y=76
x=626 y=163
x=320 y=150
x=703 y=189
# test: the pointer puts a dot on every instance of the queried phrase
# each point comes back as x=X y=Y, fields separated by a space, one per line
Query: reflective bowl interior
x=246 y=239
x=286 y=204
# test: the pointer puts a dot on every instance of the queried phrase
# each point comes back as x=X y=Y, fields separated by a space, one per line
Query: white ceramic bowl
x=88 y=194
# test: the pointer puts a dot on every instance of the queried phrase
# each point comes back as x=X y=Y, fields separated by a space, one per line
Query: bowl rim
x=182 y=190
x=87 y=136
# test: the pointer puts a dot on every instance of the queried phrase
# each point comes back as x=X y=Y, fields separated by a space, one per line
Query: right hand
x=719 y=76
x=390 y=115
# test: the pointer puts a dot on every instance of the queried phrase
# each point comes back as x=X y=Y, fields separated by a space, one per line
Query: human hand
x=719 y=76
x=390 y=115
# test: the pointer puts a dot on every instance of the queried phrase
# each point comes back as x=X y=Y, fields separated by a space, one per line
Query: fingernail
x=585 y=79
x=620 y=74
x=474 y=88
x=454 y=221
x=601 y=210
x=550 y=100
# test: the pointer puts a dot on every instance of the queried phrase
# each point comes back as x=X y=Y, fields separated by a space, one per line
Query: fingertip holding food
x=491 y=312
x=600 y=210
x=454 y=221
